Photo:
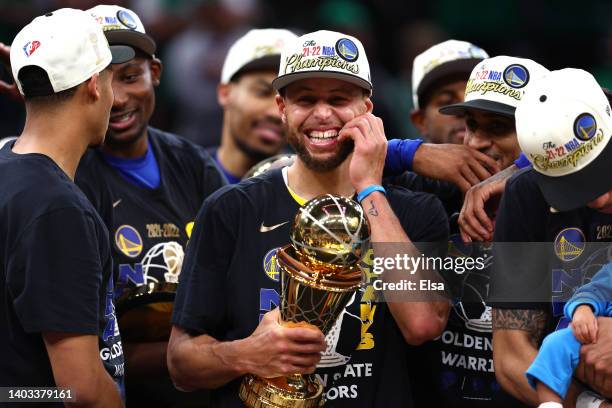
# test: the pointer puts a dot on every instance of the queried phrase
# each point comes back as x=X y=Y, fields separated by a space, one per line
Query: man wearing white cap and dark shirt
x=553 y=230
x=225 y=317
x=458 y=367
x=252 y=129
x=56 y=284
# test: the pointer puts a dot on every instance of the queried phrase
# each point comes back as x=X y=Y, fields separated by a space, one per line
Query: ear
x=280 y=102
x=223 y=91
x=369 y=105
x=417 y=117
x=156 y=67
x=92 y=87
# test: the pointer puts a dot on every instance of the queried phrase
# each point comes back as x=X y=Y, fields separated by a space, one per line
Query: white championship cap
x=448 y=58
x=257 y=49
x=564 y=127
x=497 y=85
x=324 y=54
x=68 y=45
x=123 y=26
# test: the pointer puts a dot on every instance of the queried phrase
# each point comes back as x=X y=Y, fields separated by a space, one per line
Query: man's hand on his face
x=458 y=164
x=368 y=161
x=10 y=90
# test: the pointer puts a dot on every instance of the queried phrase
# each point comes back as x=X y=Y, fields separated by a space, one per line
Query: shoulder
x=524 y=181
x=252 y=192
x=522 y=191
x=169 y=143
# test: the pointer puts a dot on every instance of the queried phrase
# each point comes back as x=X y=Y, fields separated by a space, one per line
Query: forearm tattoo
x=372 y=210
x=531 y=321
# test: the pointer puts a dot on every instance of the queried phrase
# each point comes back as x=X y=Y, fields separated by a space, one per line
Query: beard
x=343 y=150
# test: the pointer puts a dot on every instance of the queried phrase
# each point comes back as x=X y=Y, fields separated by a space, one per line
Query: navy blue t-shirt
x=230 y=279
x=542 y=256
x=55 y=274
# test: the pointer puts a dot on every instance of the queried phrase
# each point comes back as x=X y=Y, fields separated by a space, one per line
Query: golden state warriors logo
x=127 y=19
x=516 y=76
x=347 y=50
x=270 y=265
x=569 y=244
x=128 y=241
x=585 y=126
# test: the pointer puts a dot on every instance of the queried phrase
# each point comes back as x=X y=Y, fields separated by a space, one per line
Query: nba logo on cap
x=30 y=47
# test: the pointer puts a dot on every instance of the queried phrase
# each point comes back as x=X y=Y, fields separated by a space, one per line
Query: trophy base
x=258 y=392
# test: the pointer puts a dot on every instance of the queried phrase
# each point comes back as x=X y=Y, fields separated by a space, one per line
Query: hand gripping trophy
x=319 y=276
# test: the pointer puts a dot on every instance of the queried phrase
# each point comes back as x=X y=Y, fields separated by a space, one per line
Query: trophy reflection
x=319 y=275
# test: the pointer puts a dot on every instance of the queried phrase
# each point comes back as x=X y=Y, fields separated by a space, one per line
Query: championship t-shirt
x=544 y=255
x=149 y=230
x=56 y=270
x=231 y=279
x=456 y=369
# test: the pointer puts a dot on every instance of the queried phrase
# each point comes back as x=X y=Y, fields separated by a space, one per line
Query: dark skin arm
x=516 y=335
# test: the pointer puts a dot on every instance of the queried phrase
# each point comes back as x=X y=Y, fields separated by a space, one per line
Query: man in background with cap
x=439 y=77
x=56 y=276
x=225 y=318
x=252 y=129
x=554 y=229
x=148 y=186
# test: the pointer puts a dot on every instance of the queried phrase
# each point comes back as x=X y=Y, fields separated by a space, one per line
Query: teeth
x=317 y=134
x=122 y=118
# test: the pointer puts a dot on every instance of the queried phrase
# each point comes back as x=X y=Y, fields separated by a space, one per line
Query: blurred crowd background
x=193 y=37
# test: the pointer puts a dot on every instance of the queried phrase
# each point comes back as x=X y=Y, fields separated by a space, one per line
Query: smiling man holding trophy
x=226 y=334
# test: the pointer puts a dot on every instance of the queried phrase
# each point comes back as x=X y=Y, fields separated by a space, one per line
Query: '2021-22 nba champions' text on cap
x=498 y=85
x=324 y=54
x=564 y=126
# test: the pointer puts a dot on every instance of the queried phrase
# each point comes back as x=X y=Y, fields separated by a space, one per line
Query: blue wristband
x=369 y=190
x=400 y=155
x=522 y=161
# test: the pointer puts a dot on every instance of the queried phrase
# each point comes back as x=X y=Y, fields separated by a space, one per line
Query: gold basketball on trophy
x=330 y=232
x=319 y=275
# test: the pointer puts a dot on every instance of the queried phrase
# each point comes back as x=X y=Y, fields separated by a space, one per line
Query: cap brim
x=132 y=38
x=284 y=80
x=451 y=68
x=459 y=109
x=121 y=54
x=575 y=190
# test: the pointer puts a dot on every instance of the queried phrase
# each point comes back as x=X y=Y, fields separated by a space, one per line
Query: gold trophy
x=319 y=275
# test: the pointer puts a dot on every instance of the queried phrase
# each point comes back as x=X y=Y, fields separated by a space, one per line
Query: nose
x=120 y=97
x=476 y=139
x=322 y=111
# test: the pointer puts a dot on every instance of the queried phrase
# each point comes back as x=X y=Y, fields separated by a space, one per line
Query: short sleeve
x=519 y=275
x=200 y=304
x=55 y=273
